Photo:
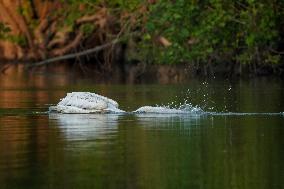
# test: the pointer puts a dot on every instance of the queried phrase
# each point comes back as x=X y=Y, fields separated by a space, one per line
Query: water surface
x=40 y=150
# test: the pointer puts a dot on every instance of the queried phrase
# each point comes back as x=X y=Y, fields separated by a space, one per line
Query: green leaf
x=150 y=26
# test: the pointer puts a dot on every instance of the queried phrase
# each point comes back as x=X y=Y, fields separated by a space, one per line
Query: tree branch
x=75 y=55
x=86 y=19
x=68 y=47
x=275 y=51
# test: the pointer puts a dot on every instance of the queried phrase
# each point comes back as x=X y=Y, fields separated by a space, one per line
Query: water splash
x=201 y=96
x=85 y=102
x=188 y=109
x=171 y=108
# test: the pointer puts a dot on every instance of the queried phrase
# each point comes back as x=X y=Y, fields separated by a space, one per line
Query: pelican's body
x=85 y=102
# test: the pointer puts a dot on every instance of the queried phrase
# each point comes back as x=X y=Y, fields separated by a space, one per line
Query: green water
x=142 y=151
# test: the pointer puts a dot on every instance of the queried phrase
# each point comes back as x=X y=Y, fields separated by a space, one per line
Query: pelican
x=85 y=102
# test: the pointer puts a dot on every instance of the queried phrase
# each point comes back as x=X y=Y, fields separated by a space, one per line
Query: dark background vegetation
x=208 y=37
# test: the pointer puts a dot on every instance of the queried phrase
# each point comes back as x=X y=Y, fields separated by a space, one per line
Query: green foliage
x=19 y=39
x=5 y=35
x=243 y=31
x=87 y=29
x=124 y=4
x=219 y=30
x=4 y=29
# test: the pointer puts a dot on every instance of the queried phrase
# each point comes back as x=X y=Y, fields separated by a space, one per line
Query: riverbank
x=207 y=38
x=143 y=73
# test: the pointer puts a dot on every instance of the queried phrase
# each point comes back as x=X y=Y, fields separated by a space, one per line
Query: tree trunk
x=50 y=36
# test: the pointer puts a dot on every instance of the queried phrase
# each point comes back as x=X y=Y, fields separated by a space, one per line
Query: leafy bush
x=214 y=30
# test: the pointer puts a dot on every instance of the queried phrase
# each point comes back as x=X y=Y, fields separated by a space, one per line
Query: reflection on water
x=85 y=127
x=146 y=150
x=182 y=122
x=141 y=151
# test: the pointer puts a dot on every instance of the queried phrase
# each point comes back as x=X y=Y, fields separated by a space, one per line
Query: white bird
x=85 y=102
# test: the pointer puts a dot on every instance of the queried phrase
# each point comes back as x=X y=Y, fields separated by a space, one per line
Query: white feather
x=86 y=102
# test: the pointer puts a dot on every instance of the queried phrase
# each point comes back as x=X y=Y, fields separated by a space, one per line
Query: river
x=230 y=151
